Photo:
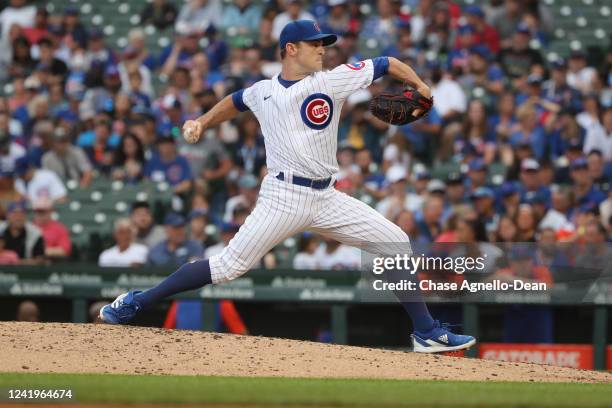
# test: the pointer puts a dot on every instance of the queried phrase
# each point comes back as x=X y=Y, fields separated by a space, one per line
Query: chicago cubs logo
x=356 y=66
x=317 y=111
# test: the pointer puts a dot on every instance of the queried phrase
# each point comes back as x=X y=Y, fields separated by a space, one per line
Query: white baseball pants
x=284 y=209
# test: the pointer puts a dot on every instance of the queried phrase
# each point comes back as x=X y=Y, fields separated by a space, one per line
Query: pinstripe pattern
x=284 y=209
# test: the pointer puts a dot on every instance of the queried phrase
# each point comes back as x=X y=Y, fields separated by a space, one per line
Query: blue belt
x=306 y=182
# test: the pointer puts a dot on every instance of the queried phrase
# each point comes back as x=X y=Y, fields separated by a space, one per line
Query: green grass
x=127 y=389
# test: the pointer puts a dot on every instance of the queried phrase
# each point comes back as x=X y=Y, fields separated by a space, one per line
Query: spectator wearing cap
x=100 y=99
x=98 y=53
x=126 y=252
x=248 y=189
x=55 y=234
x=17 y=13
x=602 y=176
x=241 y=17
x=100 y=144
x=585 y=192
x=457 y=59
x=484 y=204
x=517 y=59
x=508 y=199
x=398 y=198
x=167 y=165
x=160 y=13
x=566 y=134
x=531 y=182
x=129 y=160
x=580 y=75
x=176 y=249
x=198 y=220
x=228 y=230
x=484 y=33
x=294 y=10
x=557 y=90
x=67 y=161
x=599 y=137
x=529 y=130
x=34 y=183
x=476 y=175
x=181 y=51
x=73 y=27
x=481 y=72
x=147 y=232
x=22 y=236
x=429 y=219
x=526 y=323
x=338 y=20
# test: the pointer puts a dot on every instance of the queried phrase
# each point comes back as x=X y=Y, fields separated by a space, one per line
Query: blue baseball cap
x=174 y=220
x=477 y=165
x=304 y=30
x=16 y=206
x=230 y=227
x=579 y=163
x=474 y=10
x=508 y=188
x=483 y=192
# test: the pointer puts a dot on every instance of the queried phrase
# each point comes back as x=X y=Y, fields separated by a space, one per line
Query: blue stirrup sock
x=192 y=275
x=421 y=319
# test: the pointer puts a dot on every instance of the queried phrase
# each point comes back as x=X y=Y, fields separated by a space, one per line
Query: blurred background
x=94 y=173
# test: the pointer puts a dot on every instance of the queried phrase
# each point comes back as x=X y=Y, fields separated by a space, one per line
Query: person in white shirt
x=334 y=256
x=294 y=11
x=249 y=189
x=449 y=96
x=17 y=13
x=399 y=199
x=126 y=252
x=36 y=183
x=599 y=137
x=307 y=258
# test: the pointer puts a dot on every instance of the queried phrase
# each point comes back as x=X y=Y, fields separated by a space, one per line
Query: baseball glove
x=399 y=109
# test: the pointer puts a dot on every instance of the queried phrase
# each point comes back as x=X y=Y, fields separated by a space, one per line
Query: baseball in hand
x=192 y=129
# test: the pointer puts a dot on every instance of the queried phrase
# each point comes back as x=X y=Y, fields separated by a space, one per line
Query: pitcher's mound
x=89 y=348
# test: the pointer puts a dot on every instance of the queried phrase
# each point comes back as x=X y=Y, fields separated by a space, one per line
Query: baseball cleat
x=122 y=310
x=440 y=339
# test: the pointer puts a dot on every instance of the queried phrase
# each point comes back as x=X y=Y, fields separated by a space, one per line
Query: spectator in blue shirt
x=167 y=165
x=176 y=249
x=585 y=193
x=530 y=130
x=531 y=184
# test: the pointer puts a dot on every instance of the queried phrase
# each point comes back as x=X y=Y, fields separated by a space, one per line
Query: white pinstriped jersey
x=299 y=119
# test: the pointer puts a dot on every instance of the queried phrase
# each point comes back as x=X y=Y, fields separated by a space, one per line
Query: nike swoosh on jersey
x=267 y=97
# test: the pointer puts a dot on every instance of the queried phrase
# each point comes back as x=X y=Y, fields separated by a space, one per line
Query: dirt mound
x=88 y=348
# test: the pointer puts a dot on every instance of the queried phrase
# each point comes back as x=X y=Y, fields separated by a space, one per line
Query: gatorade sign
x=562 y=355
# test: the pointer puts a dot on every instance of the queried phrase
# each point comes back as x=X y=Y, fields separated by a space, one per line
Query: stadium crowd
x=77 y=108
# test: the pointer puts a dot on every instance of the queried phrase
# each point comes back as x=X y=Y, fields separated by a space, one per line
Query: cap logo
x=316 y=27
x=317 y=111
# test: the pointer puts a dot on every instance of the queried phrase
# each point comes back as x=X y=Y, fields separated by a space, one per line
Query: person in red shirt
x=55 y=234
x=40 y=29
x=485 y=33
